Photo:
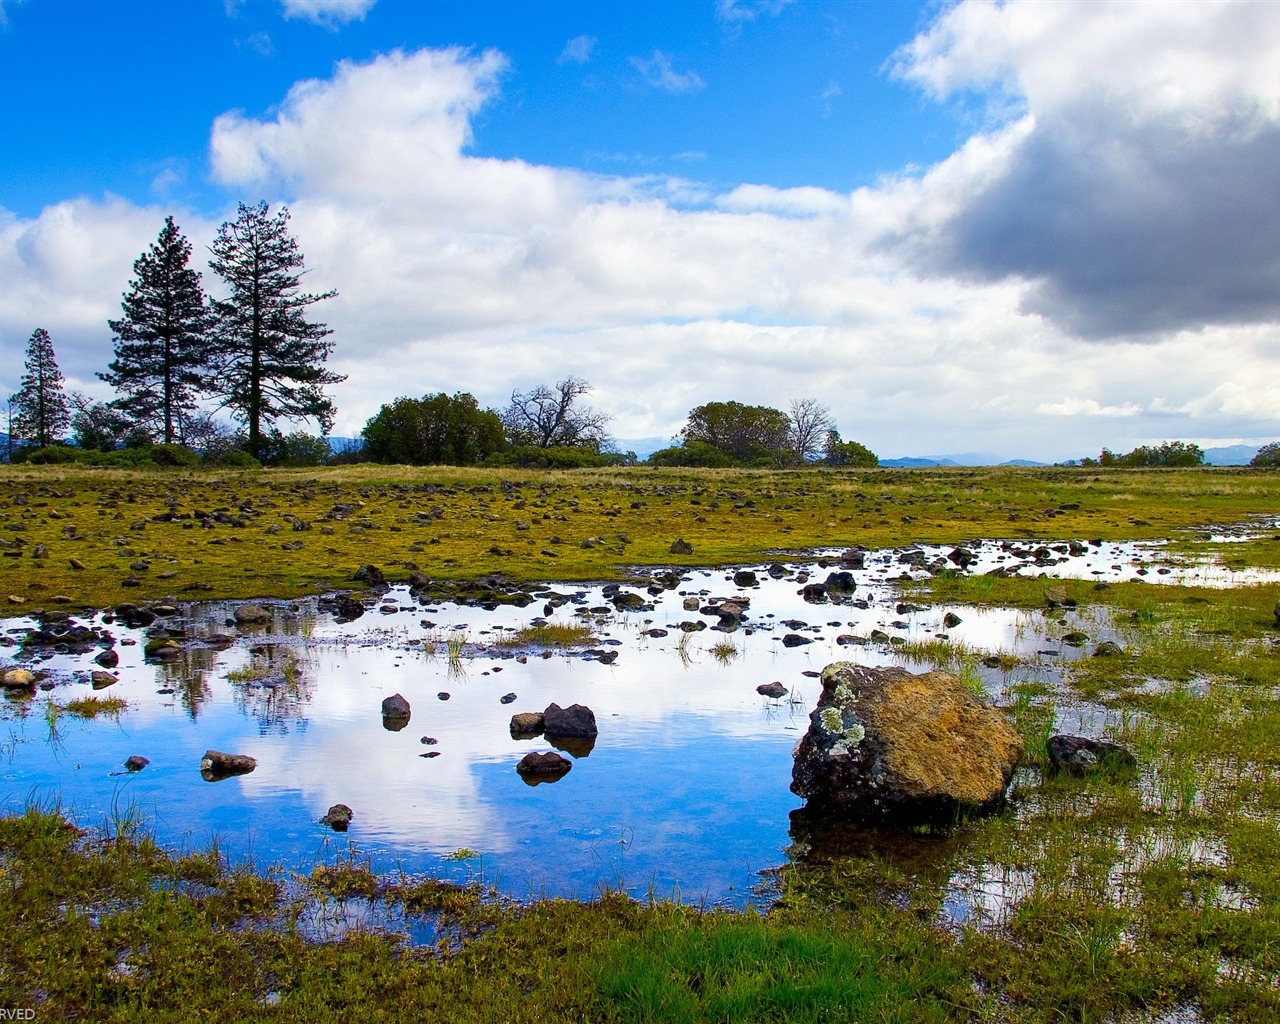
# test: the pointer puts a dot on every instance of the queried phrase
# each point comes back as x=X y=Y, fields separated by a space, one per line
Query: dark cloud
x=1155 y=230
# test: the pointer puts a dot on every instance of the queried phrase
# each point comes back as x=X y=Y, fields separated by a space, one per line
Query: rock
x=729 y=611
x=884 y=744
x=162 y=648
x=774 y=690
x=1080 y=755
x=1075 y=638
x=536 y=767
x=795 y=640
x=1057 y=597
x=680 y=546
x=443 y=695
x=691 y=604
x=1108 y=649
x=216 y=765
x=507 y=698
x=251 y=614
x=76 y=564
x=841 y=581
x=575 y=721
x=854 y=558
x=814 y=593
x=338 y=817
x=136 y=762
x=526 y=723
x=18 y=677
x=395 y=706
x=101 y=680
x=346 y=608
x=370 y=575
x=951 y=620
x=745 y=578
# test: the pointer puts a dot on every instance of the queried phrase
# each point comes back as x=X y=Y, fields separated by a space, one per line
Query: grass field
x=1153 y=896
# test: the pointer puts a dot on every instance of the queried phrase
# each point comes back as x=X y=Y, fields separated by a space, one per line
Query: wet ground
x=684 y=793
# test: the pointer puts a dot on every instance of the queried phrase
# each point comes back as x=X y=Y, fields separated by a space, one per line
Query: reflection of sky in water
x=686 y=790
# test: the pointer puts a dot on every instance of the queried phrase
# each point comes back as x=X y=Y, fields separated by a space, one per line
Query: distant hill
x=1233 y=455
x=642 y=446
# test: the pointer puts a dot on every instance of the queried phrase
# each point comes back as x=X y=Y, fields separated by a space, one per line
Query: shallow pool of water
x=685 y=793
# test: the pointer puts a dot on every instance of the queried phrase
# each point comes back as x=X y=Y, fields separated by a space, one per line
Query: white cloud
x=1139 y=197
x=737 y=12
x=578 y=50
x=1087 y=407
x=329 y=13
x=658 y=72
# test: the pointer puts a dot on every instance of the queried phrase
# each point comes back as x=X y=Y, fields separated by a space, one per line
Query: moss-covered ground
x=1144 y=896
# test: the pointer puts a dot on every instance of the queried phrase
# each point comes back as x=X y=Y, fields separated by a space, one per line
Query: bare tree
x=810 y=421
x=550 y=417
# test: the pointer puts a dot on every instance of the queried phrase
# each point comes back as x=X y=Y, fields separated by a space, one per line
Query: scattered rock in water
x=691 y=604
x=338 y=817
x=101 y=680
x=545 y=766
x=430 y=753
x=774 y=690
x=526 y=723
x=1075 y=638
x=443 y=695
x=136 y=762
x=251 y=614
x=18 y=678
x=507 y=698
x=795 y=640
x=577 y=721
x=745 y=578
x=951 y=620
x=395 y=713
x=854 y=558
x=429 y=741
x=215 y=765
x=884 y=744
x=680 y=546
x=1108 y=649
x=1080 y=755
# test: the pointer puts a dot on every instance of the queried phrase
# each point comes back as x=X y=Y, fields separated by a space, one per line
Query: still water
x=684 y=794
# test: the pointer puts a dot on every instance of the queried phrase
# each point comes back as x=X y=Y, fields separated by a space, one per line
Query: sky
x=1028 y=230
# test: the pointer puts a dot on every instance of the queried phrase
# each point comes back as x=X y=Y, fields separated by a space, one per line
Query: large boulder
x=884 y=744
x=217 y=765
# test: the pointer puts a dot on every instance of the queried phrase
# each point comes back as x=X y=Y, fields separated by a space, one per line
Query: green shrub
x=233 y=460
x=54 y=454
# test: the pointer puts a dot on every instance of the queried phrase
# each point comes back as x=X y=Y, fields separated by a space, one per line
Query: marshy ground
x=1149 y=896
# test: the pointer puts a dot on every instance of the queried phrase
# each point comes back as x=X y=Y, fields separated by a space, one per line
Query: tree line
x=549 y=426
x=254 y=353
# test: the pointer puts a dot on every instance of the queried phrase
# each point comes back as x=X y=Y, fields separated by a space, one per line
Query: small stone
x=108 y=659
x=101 y=680
x=395 y=706
x=429 y=741
x=136 y=762
x=543 y=767
x=526 y=723
x=680 y=546
x=951 y=620
x=1108 y=649
x=249 y=614
x=507 y=698
x=443 y=695
x=18 y=677
x=338 y=817
x=795 y=640
x=76 y=564
x=216 y=765
x=1080 y=755
x=773 y=690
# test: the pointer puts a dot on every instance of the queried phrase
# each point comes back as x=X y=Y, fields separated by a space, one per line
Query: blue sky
x=1029 y=229
x=119 y=97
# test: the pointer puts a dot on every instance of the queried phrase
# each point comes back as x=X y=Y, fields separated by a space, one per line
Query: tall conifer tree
x=40 y=413
x=270 y=357
x=162 y=343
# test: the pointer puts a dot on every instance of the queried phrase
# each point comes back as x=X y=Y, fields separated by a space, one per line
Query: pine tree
x=162 y=345
x=270 y=357
x=39 y=410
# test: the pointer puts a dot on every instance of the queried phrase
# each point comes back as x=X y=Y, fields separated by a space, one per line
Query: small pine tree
x=40 y=414
x=162 y=345
x=270 y=357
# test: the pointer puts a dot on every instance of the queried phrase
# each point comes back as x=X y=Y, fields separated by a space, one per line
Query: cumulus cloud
x=1139 y=196
x=578 y=50
x=659 y=72
x=329 y=13
x=1086 y=407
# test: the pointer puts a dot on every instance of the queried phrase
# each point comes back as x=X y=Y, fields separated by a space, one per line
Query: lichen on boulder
x=884 y=744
